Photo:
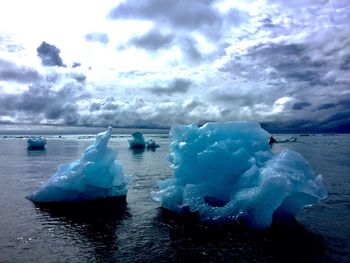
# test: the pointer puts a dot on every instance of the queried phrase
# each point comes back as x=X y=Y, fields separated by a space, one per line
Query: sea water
x=139 y=230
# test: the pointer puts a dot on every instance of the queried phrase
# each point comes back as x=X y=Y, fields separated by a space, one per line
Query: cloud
x=301 y=105
x=45 y=101
x=337 y=123
x=186 y=22
x=139 y=112
x=176 y=86
x=310 y=71
x=326 y=106
x=9 y=71
x=190 y=50
x=289 y=62
x=78 y=76
x=8 y=44
x=175 y=13
x=97 y=37
x=76 y=64
x=152 y=40
x=49 y=55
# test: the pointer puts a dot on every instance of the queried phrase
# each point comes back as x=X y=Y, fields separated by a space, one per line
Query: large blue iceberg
x=96 y=175
x=226 y=172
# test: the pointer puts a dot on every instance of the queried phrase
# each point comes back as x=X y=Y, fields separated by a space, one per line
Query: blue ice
x=95 y=175
x=226 y=172
x=152 y=144
x=36 y=142
x=138 y=141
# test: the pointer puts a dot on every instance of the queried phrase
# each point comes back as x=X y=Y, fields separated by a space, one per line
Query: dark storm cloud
x=79 y=77
x=336 y=123
x=76 y=64
x=176 y=86
x=345 y=63
x=152 y=40
x=155 y=40
x=288 y=70
x=50 y=55
x=326 y=106
x=339 y=122
x=10 y=71
x=300 y=105
x=42 y=101
x=327 y=117
x=288 y=61
x=282 y=126
x=97 y=37
x=176 y=13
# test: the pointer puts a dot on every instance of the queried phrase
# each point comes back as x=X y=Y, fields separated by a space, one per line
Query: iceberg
x=36 y=143
x=151 y=144
x=96 y=175
x=225 y=172
x=286 y=139
x=138 y=141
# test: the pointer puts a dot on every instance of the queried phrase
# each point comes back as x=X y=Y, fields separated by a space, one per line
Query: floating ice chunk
x=151 y=144
x=95 y=175
x=282 y=140
x=36 y=143
x=286 y=139
x=226 y=172
x=137 y=140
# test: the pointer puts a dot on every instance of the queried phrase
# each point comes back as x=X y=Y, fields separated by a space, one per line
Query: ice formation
x=36 y=142
x=151 y=143
x=286 y=139
x=138 y=141
x=95 y=175
x=226 y=172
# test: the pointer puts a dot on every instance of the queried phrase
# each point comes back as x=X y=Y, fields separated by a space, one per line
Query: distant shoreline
x=53 y=129
x=45 y=130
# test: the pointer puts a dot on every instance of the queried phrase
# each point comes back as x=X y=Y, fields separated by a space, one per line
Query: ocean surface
x=138 y=230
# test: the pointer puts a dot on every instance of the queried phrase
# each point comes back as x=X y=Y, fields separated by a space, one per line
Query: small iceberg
x=36 y=143
x=138 y=141
x=282 y=140
x=151 y=144
x=226 y=172
x=95 y=176
x=286 y=139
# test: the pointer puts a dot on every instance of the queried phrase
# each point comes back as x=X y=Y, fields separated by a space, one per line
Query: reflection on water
x=151 y=149
x=137 y=153
x=190 y=239
x=140 y=151
x=93 y=223
x=36 y=151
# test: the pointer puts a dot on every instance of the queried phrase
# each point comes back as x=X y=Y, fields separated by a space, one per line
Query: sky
x=157 y=63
